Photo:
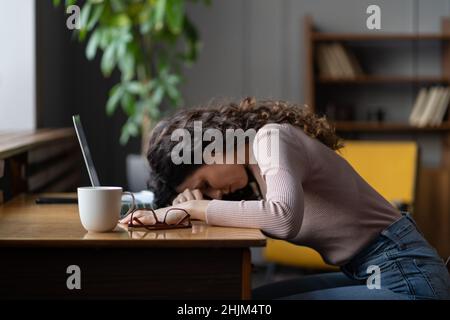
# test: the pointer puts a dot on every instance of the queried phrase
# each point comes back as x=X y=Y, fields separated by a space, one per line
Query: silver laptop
x=144 y=199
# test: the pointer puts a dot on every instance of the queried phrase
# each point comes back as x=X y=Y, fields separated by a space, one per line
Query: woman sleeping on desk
x=290 y=183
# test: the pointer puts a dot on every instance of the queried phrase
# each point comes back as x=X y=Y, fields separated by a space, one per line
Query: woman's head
x=169 y=178
x=216 y=181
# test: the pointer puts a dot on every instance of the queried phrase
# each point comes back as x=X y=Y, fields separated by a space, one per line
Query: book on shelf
x=442 y=108
x=356 y=66
x=344 y=61
x=430 y=106
x=323 y=62
x=336 y=61
x=418 y=107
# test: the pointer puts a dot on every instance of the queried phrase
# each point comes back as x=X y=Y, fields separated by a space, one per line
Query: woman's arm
x=196 y=208
x=192 y=201
x=280 y=215
x=189 y=200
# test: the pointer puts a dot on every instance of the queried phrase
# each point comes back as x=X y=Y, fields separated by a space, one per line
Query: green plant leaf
x=91 y=48
x=120 y=21
x=149 y=86
x=128 y=103
x=85 y=14
x=133 y=129
x=135 y=87
x=153 y=111
x=126 y=66
x=104 y=39
x=173 y=80
x=175 y=15
x=175 y=97
x=146 y=19
x=70 y=2
x=118 y=5
x=142 y=39
x=108 y=60
x=114 y=97
x=96 y=13
x=160 y=11
x=130 y=129
x=157 y=96
x=171 y=89
x=124 y=136
x=121 y=49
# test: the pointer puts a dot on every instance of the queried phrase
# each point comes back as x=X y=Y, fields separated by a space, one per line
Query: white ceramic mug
x=99 y=207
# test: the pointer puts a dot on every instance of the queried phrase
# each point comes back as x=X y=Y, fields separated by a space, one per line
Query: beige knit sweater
x=312 y=197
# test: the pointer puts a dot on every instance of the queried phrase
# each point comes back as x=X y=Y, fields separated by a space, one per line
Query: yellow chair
x=389 y=167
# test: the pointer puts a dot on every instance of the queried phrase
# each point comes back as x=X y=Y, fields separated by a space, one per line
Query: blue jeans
x=408 y=268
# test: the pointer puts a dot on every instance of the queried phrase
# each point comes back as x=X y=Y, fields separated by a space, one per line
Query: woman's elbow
x=281 y=233
x=287 y=222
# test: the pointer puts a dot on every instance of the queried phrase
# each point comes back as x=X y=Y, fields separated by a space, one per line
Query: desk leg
x=246 y=274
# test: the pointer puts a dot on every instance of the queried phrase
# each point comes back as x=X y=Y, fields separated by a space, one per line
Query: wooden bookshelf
x=314 y=82
x=365 y=126
x=317 y=36
x=381 y=79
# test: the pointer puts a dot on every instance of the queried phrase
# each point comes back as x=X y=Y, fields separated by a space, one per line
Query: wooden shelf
x=365 y=126
x=373 y=79
x=12 y=143
x=318 y=36
x=316 y=82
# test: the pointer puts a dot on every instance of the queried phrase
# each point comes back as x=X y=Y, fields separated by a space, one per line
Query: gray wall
x=255 y=47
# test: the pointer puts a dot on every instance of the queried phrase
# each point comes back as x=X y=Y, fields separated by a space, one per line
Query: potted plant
x=148 y=42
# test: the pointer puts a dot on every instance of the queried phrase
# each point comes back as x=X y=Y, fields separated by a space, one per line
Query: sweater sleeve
x=283 y=163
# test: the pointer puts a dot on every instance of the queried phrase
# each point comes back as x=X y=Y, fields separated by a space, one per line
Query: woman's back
x=342 y=212
x=338 y=213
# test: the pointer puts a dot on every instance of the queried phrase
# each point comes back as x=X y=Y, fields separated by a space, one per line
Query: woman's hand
x=188 y=195
x=195 y=208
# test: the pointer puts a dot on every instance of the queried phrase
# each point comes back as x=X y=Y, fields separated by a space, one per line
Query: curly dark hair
x=248 y=114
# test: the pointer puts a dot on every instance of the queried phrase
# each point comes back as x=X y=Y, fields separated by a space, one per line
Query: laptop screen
x=85 y=150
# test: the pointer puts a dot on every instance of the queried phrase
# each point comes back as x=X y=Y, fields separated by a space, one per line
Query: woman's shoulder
x=281 y=145
x=282 y=130
x=274 y=125
x=284 y=137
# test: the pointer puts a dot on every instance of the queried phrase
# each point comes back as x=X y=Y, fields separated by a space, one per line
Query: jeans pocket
x=436 y=275
x=419 y=277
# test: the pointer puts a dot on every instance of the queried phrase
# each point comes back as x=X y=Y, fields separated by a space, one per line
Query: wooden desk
x=39 y=242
